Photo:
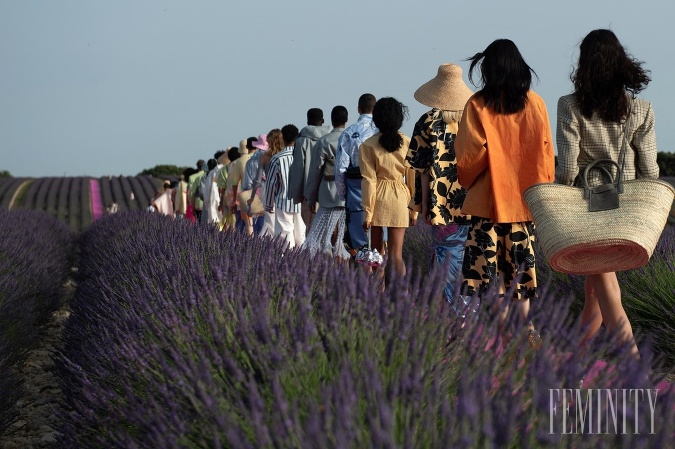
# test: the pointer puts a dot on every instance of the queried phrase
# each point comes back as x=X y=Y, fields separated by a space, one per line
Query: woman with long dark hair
x=591 y=125
x=388 y=182
x=504 y=145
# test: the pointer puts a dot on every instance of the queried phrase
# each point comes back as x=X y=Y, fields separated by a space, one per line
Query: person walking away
x=235 y=177
x=388 y=182
x=227 y=203
x=180 y=201
x=503 y=146
x=288 y=221
x=195 y=199
x=328 y=226
x=275 y=142
x=590 y=126
x=211 y=193
x=302 y=159
x=347 y=174
x=250 y=172
x=162 y=201
x=438 y=195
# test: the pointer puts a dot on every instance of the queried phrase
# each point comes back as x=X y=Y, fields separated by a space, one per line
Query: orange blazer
x=501 y=155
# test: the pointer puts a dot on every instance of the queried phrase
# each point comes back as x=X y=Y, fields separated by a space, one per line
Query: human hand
x=313 y=207
x=413 y=221
x=366 y=226
x=425 y=215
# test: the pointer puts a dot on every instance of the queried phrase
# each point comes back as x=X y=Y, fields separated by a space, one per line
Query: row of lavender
x=35 y=257
x=647 y=293
x=181 y=336
x=70 y=199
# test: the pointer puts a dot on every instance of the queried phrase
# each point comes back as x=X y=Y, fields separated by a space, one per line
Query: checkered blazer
x=581 y=141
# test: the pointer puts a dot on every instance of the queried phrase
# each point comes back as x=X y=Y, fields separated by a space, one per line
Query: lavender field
x=77 y=201
x=182 y=336
x=35 y=259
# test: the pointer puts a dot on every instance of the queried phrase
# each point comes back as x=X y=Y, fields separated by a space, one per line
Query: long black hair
x=603 y=75
x=505 y=76
x=388 y=116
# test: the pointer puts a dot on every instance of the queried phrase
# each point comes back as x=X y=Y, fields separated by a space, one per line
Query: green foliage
x=163 y=170
x=5 y=174
x=666 y=163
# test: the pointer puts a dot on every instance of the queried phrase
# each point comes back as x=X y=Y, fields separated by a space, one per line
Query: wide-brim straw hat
x=446 y=91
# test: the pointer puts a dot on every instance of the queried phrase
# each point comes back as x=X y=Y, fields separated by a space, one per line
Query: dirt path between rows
x=18 y=192
x=38 y=424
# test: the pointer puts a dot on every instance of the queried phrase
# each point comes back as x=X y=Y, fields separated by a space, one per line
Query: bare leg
x=376 y=238
x=248 y=222
x=395 y=248
x=605 y=286
x=591 y=318
x=377 y=242
x=523 y=309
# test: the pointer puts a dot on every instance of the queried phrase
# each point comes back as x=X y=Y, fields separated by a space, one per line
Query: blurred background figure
x=163 y=202
x=250 y=172
x=195 y=198
x=227 y=201
x=275 y=143
x=235 y=178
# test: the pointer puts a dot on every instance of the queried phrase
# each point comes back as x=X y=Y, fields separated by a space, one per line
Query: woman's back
x=582 y=140
x=387 y=165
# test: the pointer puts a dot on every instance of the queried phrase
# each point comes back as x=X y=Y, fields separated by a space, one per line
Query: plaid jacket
x=581 y=141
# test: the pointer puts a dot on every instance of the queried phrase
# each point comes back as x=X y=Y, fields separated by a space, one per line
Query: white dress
x=210 y=213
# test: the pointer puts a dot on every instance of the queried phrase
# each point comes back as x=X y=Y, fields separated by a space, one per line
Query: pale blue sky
x=113 y=87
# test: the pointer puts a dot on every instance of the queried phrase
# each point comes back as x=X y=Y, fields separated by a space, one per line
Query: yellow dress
x=388 y=183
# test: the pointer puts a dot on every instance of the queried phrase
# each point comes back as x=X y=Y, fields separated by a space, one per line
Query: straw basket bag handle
x=605 y=196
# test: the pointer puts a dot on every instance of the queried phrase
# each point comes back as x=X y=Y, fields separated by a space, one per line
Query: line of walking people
x=338 y=188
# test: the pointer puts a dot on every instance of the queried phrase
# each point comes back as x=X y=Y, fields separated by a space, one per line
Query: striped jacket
x=277 y=183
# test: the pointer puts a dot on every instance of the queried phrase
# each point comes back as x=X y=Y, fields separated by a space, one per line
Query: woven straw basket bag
x=577 y=241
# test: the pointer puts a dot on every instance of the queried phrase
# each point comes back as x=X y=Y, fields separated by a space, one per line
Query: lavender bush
x=35 y=253
x=648 y=293
x=649 y=296
x=181 y=336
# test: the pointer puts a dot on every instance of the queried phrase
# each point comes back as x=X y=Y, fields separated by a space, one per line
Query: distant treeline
x=163 y=170
x=666 y=163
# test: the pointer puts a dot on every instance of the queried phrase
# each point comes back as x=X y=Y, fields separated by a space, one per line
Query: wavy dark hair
x=603 y=75
x=505 y=76
x=388 y=116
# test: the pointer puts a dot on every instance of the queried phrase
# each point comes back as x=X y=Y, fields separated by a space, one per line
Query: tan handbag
x=256 y=206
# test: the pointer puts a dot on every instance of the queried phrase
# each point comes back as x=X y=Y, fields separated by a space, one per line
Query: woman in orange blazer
x=504 y=145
